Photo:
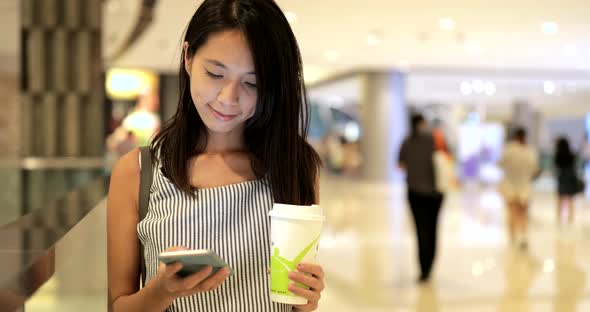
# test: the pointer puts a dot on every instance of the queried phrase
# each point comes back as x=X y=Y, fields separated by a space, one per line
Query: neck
x=225 y=142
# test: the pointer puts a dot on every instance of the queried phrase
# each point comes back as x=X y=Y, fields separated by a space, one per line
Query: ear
x=187 y=59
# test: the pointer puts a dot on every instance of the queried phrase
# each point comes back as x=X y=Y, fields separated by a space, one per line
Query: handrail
x=27 y=245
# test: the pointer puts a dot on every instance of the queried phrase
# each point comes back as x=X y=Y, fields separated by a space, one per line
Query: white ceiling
x=499 y=35
x=499 y=41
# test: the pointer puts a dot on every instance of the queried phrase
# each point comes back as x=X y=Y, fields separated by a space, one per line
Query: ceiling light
x=291 y=16
x=466 y=88
x=549 y=28
x=373 y=38
x=549 y=87
x=122 y=84
x=332 y=55
x=473 y=47
x=352 y=131
x=478 y=86
x=446 y=24
x=489 y=88
x=570 y=50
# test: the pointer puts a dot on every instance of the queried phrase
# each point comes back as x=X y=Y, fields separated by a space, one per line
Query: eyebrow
x=218 y=63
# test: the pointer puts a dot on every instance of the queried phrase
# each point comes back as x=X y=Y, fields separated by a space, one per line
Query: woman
x=567 y=181
x=235 y=145
x=520 y=165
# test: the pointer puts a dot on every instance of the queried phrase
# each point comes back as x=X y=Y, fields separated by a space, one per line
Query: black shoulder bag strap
x=145 y=184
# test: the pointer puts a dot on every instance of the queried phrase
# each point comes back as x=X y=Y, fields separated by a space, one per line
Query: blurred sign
x=128 y=84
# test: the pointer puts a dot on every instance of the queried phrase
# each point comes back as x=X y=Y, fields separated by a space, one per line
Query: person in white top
x=520 y=165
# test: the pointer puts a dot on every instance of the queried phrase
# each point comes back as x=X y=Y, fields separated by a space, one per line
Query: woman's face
x=223 y=82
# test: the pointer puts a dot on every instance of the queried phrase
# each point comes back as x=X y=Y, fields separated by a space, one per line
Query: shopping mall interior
x=84 y=82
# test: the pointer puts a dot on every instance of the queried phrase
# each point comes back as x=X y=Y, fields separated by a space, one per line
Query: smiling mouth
x=221 y=116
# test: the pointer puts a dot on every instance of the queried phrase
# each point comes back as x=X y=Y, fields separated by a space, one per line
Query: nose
x=229 y=94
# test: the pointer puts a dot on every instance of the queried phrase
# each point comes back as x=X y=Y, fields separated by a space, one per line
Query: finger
x=194 y=279
x=215 y=280
x=312 y=306
x=176 y=248
x=312 y=296
x=314 y=269
x=171 y=269
x=307 y=280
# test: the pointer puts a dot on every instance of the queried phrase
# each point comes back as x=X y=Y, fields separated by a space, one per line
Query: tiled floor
x=368 y=253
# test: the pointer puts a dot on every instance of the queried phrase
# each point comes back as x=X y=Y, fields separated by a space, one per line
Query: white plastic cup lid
x=312 y=213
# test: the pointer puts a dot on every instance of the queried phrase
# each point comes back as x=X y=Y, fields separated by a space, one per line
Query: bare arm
x=123 y=243
x=123 y=252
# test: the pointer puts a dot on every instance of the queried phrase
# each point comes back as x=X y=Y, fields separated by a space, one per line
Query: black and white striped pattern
x=231 y=220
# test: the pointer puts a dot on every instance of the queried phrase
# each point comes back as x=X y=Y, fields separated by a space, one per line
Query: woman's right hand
x=172 y=286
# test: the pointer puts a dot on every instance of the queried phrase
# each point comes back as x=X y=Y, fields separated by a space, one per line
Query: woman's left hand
x=314 y=279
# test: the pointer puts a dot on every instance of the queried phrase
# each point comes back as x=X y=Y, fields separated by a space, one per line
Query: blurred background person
x=440 y=137
x=567 y=179
x=520 y=165
x=416 y=158
x=335 y=152
x=585 y=151
x=444 y=165
x=127 y=144
x=585 y=178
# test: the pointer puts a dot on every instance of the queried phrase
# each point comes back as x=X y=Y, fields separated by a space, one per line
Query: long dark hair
x=563 y=153
x=276 y=134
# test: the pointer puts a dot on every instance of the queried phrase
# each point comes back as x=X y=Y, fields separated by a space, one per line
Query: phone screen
x=194 y=261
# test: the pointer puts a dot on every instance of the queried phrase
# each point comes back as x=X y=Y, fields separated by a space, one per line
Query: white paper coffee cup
x=295 y=235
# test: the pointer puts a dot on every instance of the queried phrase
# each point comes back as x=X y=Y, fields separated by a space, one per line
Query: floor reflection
x=569 y=276
x=368 y=251
x=427 y=300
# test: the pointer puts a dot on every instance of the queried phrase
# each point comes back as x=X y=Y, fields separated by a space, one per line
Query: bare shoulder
x=128 y=164
x=125 y=178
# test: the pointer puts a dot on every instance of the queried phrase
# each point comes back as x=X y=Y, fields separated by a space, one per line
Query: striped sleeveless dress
x=231 y=220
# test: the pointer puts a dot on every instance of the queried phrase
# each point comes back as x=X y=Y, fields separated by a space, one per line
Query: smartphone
x=194 y=260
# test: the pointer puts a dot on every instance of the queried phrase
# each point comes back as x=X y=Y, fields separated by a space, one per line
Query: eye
x=250 y=85
x=212 y=75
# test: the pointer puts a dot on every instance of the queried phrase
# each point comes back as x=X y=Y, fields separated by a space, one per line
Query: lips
x=221 y=116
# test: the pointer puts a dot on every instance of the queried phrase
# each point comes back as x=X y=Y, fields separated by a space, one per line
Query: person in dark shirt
x=567 y=181
x=416 y=158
